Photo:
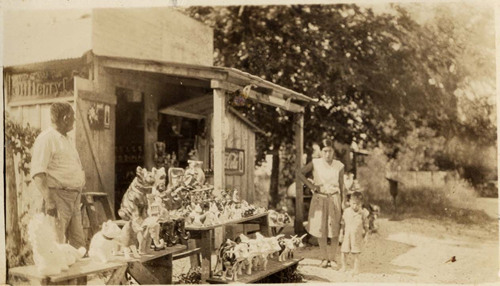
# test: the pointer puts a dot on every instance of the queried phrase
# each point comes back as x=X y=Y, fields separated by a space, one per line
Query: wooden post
x=13 y=236
x=218 y=135
x=150 y=128
x=299 y=191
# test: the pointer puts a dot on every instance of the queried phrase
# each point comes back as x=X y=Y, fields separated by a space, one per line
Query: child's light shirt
x=355 y=224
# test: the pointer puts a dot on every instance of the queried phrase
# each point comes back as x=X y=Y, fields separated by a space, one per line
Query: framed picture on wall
x=234 y=161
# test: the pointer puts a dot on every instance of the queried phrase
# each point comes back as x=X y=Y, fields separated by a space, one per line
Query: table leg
x=206 y=254
x=118 y=276
x=264 y=226
x=157 y=271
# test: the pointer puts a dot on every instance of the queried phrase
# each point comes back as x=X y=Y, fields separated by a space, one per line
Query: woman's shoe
x=334 y=265
x=324 y=263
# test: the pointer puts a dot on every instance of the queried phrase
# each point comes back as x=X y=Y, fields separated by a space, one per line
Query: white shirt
x=55 y=155
x=327 y=175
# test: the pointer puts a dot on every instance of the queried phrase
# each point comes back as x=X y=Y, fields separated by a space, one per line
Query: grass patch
x=448 y=202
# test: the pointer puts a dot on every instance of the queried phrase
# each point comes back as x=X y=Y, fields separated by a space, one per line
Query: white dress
x=325 y=209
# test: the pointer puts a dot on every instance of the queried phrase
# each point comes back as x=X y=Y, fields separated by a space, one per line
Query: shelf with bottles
x=129 y=154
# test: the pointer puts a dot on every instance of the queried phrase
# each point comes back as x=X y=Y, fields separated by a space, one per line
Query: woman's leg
x=332 y=250
x=322 y=241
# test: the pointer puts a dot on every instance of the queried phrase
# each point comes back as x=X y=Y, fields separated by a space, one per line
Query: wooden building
x=153 y=83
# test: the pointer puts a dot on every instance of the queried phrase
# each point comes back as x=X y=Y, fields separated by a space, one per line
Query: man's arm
x=41 y=184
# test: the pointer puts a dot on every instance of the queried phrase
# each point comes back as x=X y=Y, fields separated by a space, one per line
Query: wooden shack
x=152 y=83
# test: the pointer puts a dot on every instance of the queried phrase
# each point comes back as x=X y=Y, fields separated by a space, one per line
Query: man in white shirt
x=58 y=174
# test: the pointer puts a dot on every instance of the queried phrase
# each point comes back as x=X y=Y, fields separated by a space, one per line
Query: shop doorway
x=129 y=138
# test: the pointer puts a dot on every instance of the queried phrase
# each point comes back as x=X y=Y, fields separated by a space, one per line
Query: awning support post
x=218 y=136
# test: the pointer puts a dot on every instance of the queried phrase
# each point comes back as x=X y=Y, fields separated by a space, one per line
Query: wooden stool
x=89 y=200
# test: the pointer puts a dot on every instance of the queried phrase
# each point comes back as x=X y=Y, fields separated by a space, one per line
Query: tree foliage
x=379 y=77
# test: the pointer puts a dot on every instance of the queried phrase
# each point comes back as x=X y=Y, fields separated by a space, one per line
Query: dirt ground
x=416 y=251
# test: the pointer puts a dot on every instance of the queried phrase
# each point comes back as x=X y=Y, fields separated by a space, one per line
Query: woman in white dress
x=325 y=211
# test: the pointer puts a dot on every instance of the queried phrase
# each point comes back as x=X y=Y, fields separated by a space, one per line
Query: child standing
x=326 y=204
x=355 y=230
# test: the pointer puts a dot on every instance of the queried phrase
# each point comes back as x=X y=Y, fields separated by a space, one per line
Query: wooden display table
x=273 y=267
x=152 y=268
x=205 y=234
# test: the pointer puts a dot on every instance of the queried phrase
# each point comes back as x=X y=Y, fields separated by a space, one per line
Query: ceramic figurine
x=134 y=202
x=50 y=257
x=151 y=228
x=168 y=233
x=127 y=239
x=226 y=258
x=103 y=246
x=159 y=187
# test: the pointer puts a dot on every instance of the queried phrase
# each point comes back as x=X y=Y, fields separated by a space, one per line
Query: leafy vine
x=20 y=140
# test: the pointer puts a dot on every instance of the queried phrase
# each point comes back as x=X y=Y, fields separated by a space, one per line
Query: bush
x=371 y=175
x=453 y=200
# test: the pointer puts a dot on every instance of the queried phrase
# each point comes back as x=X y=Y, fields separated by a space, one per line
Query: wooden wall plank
x=45 y=120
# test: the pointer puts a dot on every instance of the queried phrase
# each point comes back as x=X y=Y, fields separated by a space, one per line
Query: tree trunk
x=13 y=235
x=275 y=175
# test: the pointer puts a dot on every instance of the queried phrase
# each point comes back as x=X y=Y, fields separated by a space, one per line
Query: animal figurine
x=241 y=254
x=159 y=187
x=197 y=216
x=253 y=259
x=104 y=245
x=127 y=239
x=270 y=247
x=49 y=256
x=180 y=229
x=226 y=259
x=297 y=242
x=156 y=208
x=168 y=233
x=287 y=246
x=151 y=228
x=134 y=202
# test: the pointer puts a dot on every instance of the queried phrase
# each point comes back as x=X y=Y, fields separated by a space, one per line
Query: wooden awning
x=228 y=79
x=201 y=107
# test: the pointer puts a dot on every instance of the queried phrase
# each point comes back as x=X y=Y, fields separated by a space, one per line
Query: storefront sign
x=40 y=84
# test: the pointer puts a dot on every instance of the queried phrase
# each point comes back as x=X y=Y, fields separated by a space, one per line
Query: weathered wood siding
x=151 y=33
x=241 y=137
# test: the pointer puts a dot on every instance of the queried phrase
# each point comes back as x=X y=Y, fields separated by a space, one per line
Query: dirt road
x=416 y=251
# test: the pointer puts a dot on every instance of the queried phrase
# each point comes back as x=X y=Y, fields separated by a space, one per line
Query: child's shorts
x=352 y=243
